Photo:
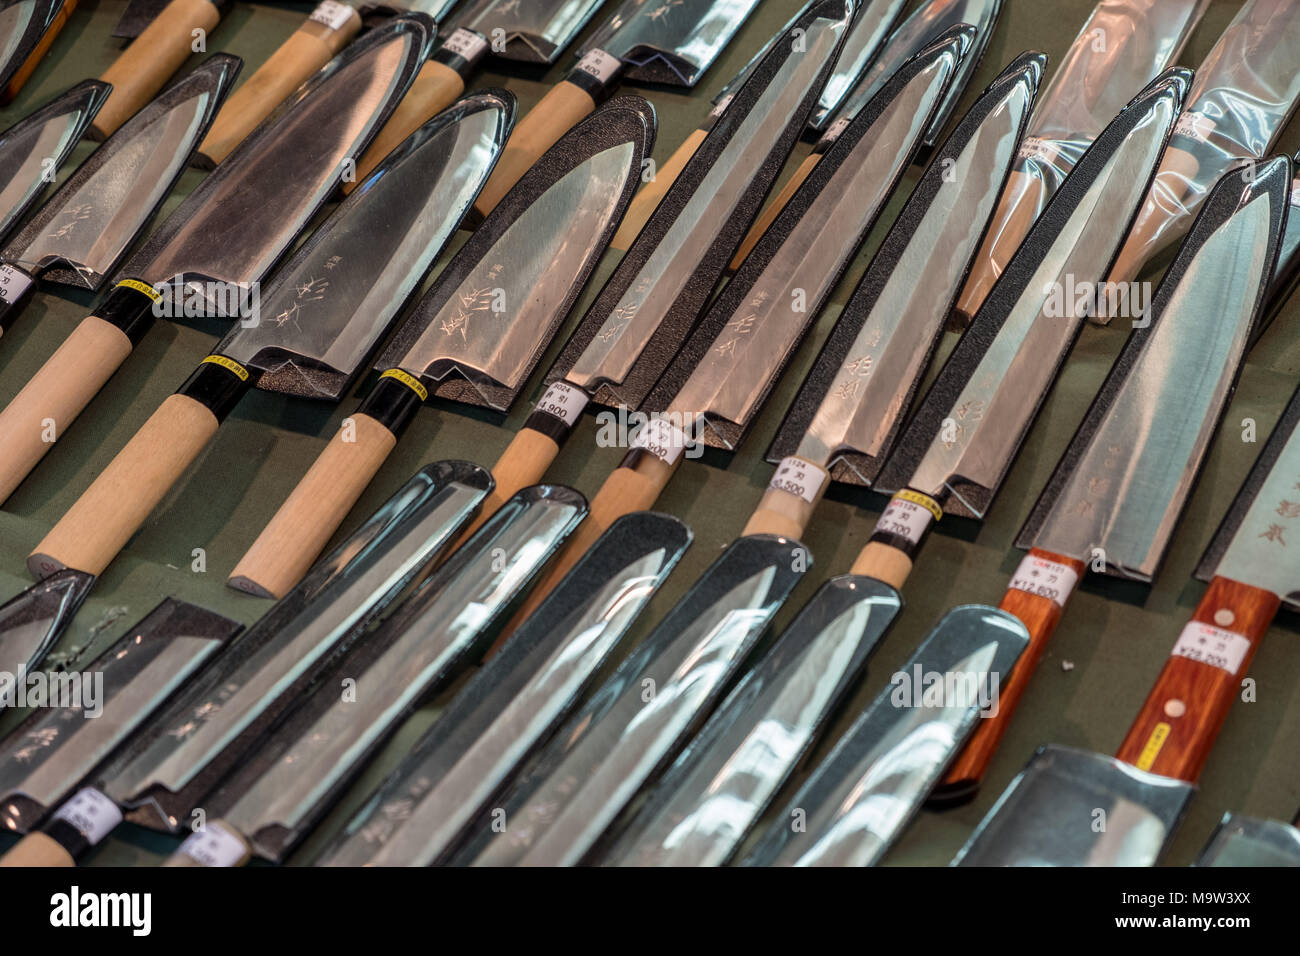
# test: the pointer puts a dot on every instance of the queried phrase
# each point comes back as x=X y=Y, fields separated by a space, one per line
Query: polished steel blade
x=22 y=24
x=1124 y=480
x=32 y=622
x=1247 y=841
x=55 y=748
x=510 y=707
x=1287 y=273
x=80 y=234
x=960 y=444
x=535 y=31
x=872 y=26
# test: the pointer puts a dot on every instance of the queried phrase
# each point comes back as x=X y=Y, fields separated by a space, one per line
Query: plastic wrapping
x=1122 y=47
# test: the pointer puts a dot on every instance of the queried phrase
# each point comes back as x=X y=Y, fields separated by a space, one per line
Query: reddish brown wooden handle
x=1178 y=724
x=24 y=72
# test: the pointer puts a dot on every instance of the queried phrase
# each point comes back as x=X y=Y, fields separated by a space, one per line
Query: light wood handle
x=558 y=112
x=37 y=849
x=1018 y=207
x=773 y=209
x=521 y=465
x=98 y=526
x=645 y=202
x=784 y=513
x=298 y=533
x=24 y=73
x=884 y=563
x=310 y=47
x=1181 y=718
x=434 y=89
x=55 y=396
x=1155 y=228
x=151 y=60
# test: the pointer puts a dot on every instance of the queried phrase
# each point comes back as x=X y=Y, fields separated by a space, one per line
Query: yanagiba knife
x=81 y=233
x=476 y=335
x=32 y=622
x=1144 y=789
x=287 y=782
x=1119 y=489
x=511 y=707
x=1248 y=841
x=225 y=236
x=324 y=313
x=158 y=776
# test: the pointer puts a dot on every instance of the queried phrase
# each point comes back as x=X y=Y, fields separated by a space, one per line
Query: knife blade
x=321 y=317
x=226 y=234
x=513 y=704
x=1287 y=273
x=80 y=234
x=1247 y=841
x=24 y=25
x=32 y=622
x=538 y=250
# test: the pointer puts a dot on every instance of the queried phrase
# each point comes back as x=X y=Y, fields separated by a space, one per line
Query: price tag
x=13 y=283
x=662 y=440
x=907 y=516
x=466 y=43
x=92 y=813
x=564 y=402
x=1195 y=126
x=1048 y=579
x=214 y=845
x=600 y=65
x=332 y=14
x=1212 y=645
x=1035 y=147
x=797 y=477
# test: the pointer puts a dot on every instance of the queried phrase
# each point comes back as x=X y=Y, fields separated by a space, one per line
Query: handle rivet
x=1175 y=708
x=1224 y=617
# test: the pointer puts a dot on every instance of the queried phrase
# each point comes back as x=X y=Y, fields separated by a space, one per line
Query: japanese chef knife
x=322 y=316
x=81 y=233
x=48 y=754
x=477 y=333
x=1287 y=273
x=1248 y=841
x=655 y=41
x=512 y=706
x=227 y=233
x=1122 y=46
x=289 y=780
x=635 y=724
x=535 y=31
x=162 y=772
x=33 y=621
x=1119 y=489
x=24 y=27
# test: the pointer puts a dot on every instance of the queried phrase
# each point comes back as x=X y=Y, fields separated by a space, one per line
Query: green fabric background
x=1094 y=676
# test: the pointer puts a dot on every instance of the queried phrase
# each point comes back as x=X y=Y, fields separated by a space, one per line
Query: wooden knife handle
x=310 y=47
x=299 y=531
x=1177 y=726
x=24 y=72
x=98 y=526
x=151 y=60
x=783 y=512
x=557 y=113
x=1154 y=228
x=773 y=209
x=647 y=200
x=37 y=849
x=521 y=465
x=1017 y=209
x=434 y=89
x=55 y=396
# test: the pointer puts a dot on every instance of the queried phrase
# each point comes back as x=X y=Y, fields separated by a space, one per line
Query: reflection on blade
x=32 y=622
x=1246 y=841
x=535 y=31
x=673 y=42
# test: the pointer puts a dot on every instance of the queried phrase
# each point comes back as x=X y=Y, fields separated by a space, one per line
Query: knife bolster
x=218 y=384
x=394 y=401
x=130 y=309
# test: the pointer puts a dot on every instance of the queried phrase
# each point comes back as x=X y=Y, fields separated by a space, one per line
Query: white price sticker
x=332 y=14
x=905 y=518
x=834 y=131
x=662 y=440
x=797 y=477
x=1048 y=579
x=92 y=813
x=601 y=65
x=1035 y=147
x=466 y=43
x=214 y=845
x=1212 y=645
x=13 y=283
x=564 y=402
x=1295 y=193
x=1195 y=126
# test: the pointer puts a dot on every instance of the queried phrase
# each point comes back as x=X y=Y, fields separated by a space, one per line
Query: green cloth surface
x=1089 y=685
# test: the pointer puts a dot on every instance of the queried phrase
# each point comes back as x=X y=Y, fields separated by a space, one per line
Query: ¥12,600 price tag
x=13 y=283
x=601 y=65
x=564 y=402
x=466 y=43
x=662 y=440
x=332 y=14
x=93 y=814
x=797 y=477
x=1049 y=579
x=1212 y=645
x=214 y=845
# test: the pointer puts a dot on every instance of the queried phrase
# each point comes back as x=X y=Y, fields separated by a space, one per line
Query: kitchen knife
x=656 y=41
x=51 y=751
x=79 y=235
x=136 y=17
x=322 y=316
x=1287 y=273
x=169 y=764
x=27 y=28
x=862 y=796
x=466 y=340
x=630 y=728
x=1246 y=841
x=287 y=782
x=226 y=234
x=1122 y=46
x=513 y=704
x=1117 y=493
x=32 y=622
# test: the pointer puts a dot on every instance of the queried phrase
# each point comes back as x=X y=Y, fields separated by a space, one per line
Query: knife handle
x=310 y=47
x=769 y=214
x=1177 y=725
x=786 y=510
x=1018 y=207
x=521 y=465
x=37 y=849
x=24 y=72
x=51 y=401
x=1155 y=228
x=299 y=531
x=150 y=61
x=647 y=200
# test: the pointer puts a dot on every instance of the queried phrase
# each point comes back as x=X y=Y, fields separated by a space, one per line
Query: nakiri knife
x=290 y=779
x=225 y=236
x=530 y=31
x=511 y=707
x=32 y=622
x=321 y=317
x=477 y=334
x=1121 y=48
x=1117 y=493
x=81 y=233
x=669 y=42
x=53 y=750
x=158 y=776
x=1240 y=840
x=1144 y=790
x=27 y=28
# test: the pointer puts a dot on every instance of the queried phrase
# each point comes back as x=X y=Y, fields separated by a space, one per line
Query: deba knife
x=1248 y=841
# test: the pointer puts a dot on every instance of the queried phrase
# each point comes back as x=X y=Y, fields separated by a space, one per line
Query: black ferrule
x=597 y=90
x=130 y=310
x=67 y=836
x=216 y=387
x=392 y=404
x=553 y=427
x=898 y=542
